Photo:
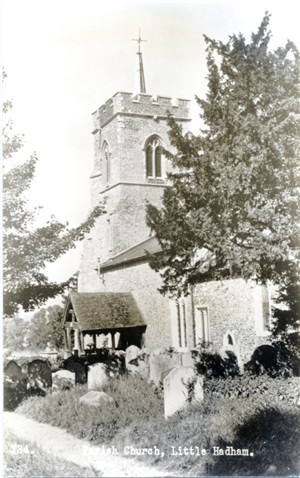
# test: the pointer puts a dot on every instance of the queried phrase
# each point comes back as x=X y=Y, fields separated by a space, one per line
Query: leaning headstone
x=63 y=380
x=96 y=398
x=176 y=392
x=97 y=377
x=160 y=362
x=39 y=376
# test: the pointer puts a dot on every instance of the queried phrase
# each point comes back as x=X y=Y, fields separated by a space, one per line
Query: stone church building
x=117 y=302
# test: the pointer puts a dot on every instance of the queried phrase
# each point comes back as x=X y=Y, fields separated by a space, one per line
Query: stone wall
x=125 y=123
x=127 y=190
x=231 y=309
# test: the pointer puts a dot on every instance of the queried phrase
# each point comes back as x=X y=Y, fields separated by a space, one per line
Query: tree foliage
x=235 y=189
x=15 y=331
x=42 y=330
x=46 y=328
x=232 y=208
x=27 y=248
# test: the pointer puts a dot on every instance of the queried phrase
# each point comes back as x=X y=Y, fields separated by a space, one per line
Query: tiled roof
x=133 y=254
x=104 y=310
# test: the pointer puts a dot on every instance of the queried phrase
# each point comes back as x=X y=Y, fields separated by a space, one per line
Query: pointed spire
x=139 y=83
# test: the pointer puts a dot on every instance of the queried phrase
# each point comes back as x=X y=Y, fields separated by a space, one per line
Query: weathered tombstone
x=39 y=376
x=96 y=398
x=140 y=365
x=75 y=365
x=160 y=362
x=176 y=390
x=63 y=380
x=132 y=352
x=15 y=385
x=97 y=376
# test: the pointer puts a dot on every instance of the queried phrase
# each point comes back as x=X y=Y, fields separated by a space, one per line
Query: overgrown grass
x=22 y=460
x=268 y=428
x=136 y=401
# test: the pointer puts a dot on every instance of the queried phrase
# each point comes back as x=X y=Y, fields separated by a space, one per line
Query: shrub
x=263 y=389
x=273 y=436
x=211 y=364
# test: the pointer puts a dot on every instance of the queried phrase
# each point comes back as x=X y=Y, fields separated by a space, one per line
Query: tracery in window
x=153 y=153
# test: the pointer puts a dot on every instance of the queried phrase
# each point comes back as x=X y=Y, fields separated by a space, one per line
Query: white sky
x=64 y=58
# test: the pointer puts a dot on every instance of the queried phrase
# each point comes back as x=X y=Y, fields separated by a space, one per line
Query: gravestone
x=132 y=352
x=176 y=392
x=137 y=361
x=160 y=363
x=63 y=380
x=96 y=398
x=97 y=377
x=39 y=376
x=78 y=367
x=15 y=385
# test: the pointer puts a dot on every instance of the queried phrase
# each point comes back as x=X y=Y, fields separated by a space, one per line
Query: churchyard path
x=61 y=444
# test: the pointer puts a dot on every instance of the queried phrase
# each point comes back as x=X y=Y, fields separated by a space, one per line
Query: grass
x=268 y=427
x=22 y=460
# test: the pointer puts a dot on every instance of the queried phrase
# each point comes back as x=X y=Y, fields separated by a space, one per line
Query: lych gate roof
x=104 y=310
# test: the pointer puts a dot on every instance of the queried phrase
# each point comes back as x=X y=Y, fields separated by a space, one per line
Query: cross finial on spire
x=140 y=85
x=139 y=40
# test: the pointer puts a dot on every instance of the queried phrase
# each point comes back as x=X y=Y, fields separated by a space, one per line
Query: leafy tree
x=14 y=333
x=286 y=322
x=27 y=248
x=232 y=208
x=45 y=328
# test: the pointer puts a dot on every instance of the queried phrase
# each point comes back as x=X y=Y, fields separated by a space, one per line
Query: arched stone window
x=106 y=165
x=228 y=339
x=153 y=156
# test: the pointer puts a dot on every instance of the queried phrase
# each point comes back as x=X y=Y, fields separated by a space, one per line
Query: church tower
x=130 y=133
